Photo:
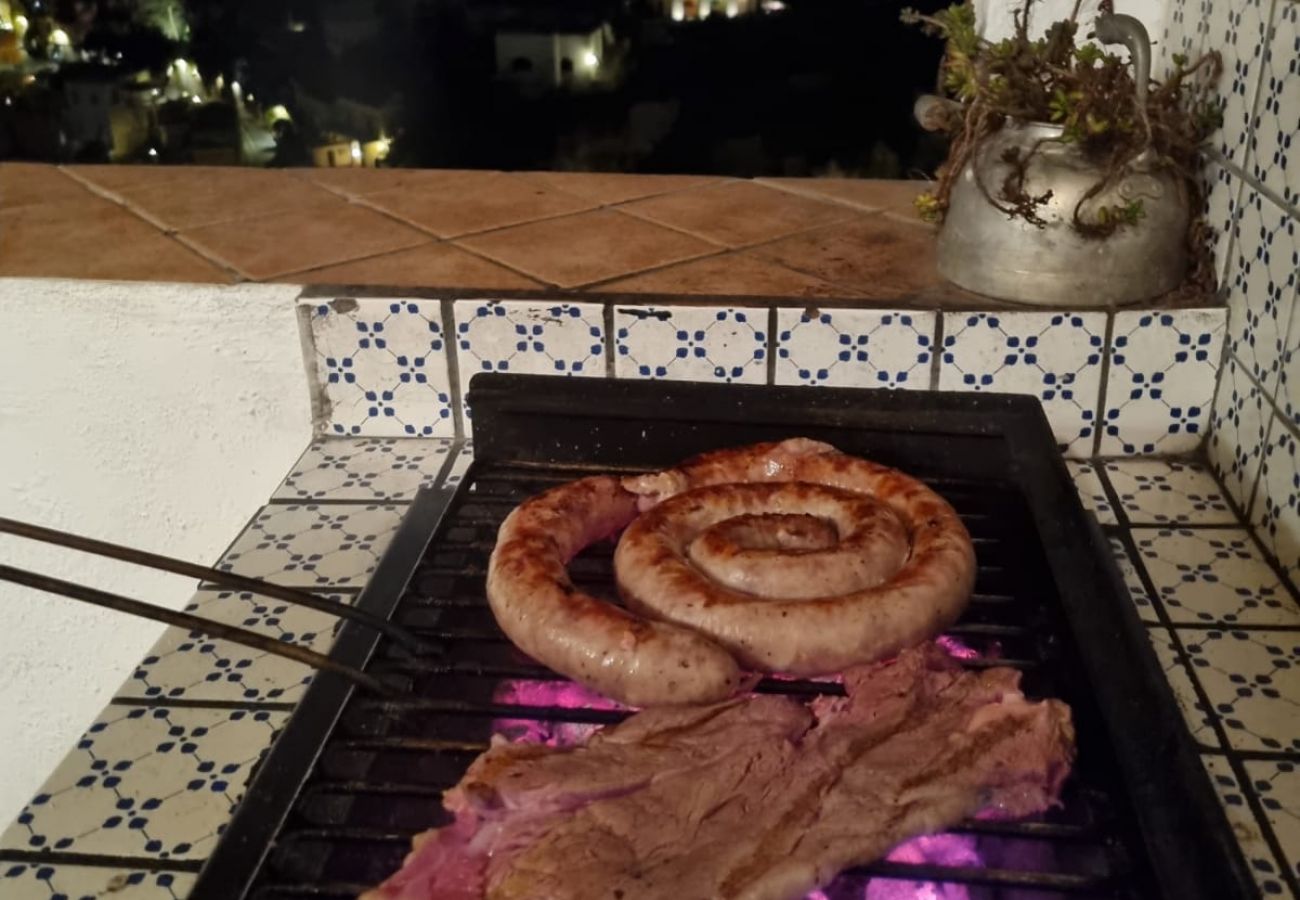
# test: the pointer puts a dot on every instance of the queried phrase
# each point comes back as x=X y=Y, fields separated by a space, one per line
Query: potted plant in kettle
x=1071 y=179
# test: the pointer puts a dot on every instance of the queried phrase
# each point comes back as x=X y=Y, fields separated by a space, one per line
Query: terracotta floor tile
x=221 y=195
x=431 y=265
x=590 y=247
x=607 y=188
x=23 y=184
x=95 y=239
x=303 y=238
x=875 y=256
x=476 y=201
x=358 y=182
x=871 y=194
x=738 y=214
x=736 y=274
x=114 y=178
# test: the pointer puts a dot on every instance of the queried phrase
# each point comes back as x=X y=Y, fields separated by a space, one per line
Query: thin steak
x=746 y=800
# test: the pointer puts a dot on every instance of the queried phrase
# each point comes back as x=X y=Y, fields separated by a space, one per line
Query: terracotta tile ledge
x=833 y=239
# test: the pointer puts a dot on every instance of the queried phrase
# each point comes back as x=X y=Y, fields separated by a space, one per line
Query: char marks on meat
x=760 y=798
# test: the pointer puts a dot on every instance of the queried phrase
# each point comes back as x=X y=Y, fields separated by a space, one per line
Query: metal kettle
x=982 y=249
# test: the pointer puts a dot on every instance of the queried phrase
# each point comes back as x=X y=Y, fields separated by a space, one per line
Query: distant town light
x=156 y=92
x=679 y=10
x=733 y=9
x=251 y=98
x=9 y=101
x=196 y=99
x=181 y=65
x=235 y=88
x=590 y=59
x=773 y=6
x=153 y=153
x=60 y=37
x=20 y=22
x=706 y=8
x=356 y=151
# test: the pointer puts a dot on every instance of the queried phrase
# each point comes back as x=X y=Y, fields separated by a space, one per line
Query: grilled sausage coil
x=783 y=557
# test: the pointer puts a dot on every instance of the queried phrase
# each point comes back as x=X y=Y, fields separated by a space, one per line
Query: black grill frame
x=1170 y=836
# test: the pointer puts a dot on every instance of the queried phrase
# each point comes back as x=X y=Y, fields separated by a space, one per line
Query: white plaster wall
x=153 y=415
x=995 y=17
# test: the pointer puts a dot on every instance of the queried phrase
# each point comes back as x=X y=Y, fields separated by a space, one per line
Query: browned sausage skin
x=817 y=634
x=611 y=650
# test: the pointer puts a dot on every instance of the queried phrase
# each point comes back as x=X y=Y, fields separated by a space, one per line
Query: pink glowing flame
x=956 y=648
x=562 y=694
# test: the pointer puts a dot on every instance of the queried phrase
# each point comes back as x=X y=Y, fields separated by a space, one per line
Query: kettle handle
x=1117 y=28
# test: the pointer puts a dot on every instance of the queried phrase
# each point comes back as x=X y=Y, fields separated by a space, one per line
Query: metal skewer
x=195 y=623
x=225 y=579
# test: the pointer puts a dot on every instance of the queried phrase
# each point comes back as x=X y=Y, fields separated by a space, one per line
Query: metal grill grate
x=372 y=774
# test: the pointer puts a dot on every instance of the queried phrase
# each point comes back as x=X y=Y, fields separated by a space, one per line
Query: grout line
x=601 y=282
x=1102 y=393
x=447 y=310
x=211 y=257
x=1249 y=180
x=322 y=408
x=772 y=343
x=542 y=282
x=852 y=294
x=102 y=860
x=607 y=317
x=936 y=361
x=344 y=501
x=810 y=194
x=182 y=703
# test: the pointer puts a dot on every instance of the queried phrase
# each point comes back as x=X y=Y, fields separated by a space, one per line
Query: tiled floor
x=155 y=777
x=828 y=238
x=1226 y=629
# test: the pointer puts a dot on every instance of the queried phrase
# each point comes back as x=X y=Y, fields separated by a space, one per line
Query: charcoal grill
x=334 y=804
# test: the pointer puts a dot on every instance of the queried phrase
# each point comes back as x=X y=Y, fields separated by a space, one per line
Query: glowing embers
x=548 y=695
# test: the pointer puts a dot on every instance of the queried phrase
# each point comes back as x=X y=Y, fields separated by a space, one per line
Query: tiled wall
x=1129 y=383
x=1254 y=204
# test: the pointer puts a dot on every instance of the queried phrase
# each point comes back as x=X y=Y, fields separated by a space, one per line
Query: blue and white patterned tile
x=1277 y=785
x=1262 y=289
x=1236 y=443
x=1252 y=679
x=147 y=782
x=1275 y=514
x=1275 y=151
x=378 y=469
x=1137 y=591
x=1163 y=370
x=855 y=348
x=189 y=665
x=1222 y=205
x=1214 y=576
x=314 y=545
x=1055 y=357
x=529 y=338
x=1179 y=36
x=1199 y=720
x=691 y=343
x=1091 y=492
x=45 y=881
x=1238 y=30
x=383 y=367
x=1159 y=491
x=1254 y=846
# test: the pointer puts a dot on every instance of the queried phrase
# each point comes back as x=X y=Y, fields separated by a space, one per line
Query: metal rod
x=225 y=579
x=195 y=623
